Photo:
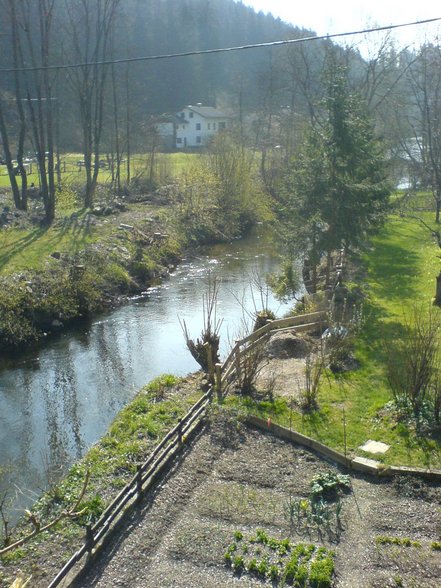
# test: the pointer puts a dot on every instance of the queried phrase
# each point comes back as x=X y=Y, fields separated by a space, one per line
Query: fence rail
x=231 y=368
x=140 y=482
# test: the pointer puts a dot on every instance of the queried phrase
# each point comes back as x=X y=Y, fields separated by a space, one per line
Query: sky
x=338 y=16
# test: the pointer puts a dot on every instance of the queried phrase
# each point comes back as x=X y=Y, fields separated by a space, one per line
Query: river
x=56 y=401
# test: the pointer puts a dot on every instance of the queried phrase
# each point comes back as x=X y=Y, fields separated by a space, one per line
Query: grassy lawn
x=29 y=249
x=166 y=165
x=401 y=267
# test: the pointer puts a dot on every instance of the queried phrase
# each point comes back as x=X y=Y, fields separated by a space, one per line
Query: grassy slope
x=401 y=269
x=136 y=430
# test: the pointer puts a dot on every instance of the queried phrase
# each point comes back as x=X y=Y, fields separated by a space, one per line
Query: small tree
x=413 y=359
x=209 y=340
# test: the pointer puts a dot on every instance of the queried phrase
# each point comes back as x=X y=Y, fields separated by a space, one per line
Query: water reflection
x=58 y=400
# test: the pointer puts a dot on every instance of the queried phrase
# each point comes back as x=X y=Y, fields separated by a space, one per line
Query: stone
x=365 y=464
x=374 y=447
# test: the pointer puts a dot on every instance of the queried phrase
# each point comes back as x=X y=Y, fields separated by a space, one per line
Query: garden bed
x=236 y=481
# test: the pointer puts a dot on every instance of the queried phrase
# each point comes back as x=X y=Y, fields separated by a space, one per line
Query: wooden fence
x=145 y=476
x=224 y=375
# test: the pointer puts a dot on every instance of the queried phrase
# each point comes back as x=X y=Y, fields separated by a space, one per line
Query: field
x=72 y=168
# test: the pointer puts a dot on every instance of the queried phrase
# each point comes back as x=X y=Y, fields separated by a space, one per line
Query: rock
x=57 y=324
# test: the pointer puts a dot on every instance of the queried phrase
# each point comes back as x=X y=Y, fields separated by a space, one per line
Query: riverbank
x=85 y=262
x=108 y=466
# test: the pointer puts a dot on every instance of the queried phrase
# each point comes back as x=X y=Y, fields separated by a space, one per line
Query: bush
x=412 y=363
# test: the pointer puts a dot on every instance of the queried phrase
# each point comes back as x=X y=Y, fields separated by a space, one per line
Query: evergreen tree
x=336 y=191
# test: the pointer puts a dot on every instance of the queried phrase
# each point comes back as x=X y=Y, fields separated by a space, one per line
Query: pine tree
x=336 y=191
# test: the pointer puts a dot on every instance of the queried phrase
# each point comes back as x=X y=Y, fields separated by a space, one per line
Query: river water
x=55 y=402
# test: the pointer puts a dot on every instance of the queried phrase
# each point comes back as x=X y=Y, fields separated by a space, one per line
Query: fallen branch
x=71 y=513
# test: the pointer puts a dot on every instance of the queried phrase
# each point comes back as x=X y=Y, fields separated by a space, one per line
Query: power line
x=220 y=50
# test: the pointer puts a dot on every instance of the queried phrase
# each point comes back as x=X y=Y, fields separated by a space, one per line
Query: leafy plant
x=283 y=562
x=321 y=571
x=238 y=563
x=402 y=542
x=327 y=485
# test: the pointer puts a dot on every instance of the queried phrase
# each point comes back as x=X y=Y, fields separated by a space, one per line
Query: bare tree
x=30 y=29
x=421 y=142
x=90 y=26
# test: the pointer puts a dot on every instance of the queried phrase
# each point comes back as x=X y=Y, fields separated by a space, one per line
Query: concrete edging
x=359 y=464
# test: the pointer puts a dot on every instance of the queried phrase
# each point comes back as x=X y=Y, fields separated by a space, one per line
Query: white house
x=196 y=125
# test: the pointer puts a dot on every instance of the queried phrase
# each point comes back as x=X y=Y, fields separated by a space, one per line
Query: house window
x=209 y=126
x=182 y=114
x=198 y=139
x=214 y=126
x=191 y=114
x=178 y=140
x=222 y=125
x=198 y=126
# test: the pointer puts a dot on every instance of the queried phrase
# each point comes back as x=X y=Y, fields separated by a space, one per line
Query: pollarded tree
x=337 y=189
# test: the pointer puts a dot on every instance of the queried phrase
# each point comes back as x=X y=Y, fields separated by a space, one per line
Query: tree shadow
x=21 y=245
x=394 y=271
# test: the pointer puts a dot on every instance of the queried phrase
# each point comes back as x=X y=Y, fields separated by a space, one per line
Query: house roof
x=207 y=111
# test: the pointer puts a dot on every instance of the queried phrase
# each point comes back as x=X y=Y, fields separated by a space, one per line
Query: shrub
x=412 y=361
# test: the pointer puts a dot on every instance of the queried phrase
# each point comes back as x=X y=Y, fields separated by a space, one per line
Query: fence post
x=180 y=432
x=237 y=361
x=90 y=540
x=218 y=382
x=138 y=483
x=209 y=362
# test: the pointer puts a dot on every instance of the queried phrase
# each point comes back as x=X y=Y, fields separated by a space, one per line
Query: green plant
x=435 y=545
x=301 y=575
x=327 y=485
x=273 y=573
x=238 y=563
x=263 y=567
x=402 y=542
x=90 y=510
x=321 y=571
x=261 y=537
x=13 y=557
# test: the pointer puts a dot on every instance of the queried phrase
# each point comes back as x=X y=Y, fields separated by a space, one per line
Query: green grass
x=166 y=165
x=401 y=269
x=29 y=249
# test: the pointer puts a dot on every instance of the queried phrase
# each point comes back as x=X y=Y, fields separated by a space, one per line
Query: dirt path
x=242 y=480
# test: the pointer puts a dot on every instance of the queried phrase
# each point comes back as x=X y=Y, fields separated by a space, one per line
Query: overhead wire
x=218 y=50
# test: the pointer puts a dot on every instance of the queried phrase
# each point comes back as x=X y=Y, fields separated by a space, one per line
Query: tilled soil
x=241 y=479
